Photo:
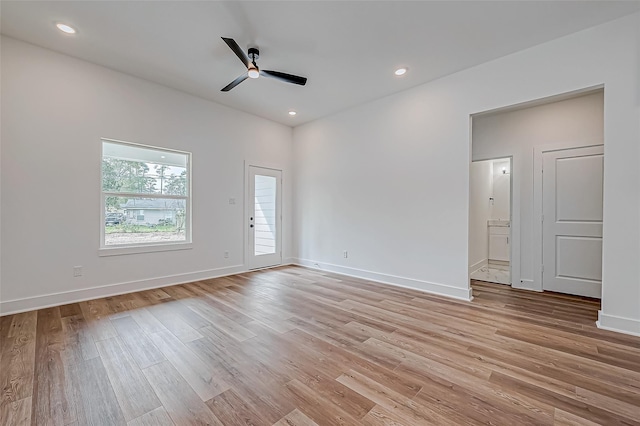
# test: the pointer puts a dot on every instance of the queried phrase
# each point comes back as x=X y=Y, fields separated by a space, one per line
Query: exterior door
x=572 y=221
x=265 y=219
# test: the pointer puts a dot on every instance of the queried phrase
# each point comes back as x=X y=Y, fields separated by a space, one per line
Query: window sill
x=117 y=251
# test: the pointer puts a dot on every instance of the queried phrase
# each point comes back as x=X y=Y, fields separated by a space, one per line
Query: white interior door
x=572 y=221
x=264 y=217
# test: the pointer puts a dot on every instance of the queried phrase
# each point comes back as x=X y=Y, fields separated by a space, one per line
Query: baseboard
x=425 y=286
x=288 y=261
x=618 y=324
x=8 y=307
x=478 y=265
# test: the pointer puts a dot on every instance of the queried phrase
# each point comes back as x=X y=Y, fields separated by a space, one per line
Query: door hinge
x=542 y=218
x=542 y=268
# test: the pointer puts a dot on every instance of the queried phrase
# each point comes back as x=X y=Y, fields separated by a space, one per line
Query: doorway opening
x=490 y=220
x=557 y=161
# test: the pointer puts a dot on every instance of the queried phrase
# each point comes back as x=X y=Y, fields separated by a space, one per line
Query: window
x=146 y=201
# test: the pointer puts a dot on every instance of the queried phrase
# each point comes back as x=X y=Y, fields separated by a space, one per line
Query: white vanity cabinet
x=499 y=248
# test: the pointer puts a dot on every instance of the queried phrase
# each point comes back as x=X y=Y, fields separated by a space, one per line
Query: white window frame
x=115 y=250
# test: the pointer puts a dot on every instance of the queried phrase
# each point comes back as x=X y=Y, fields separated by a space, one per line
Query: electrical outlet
x=77 y=271
x=232 y=200
x=226 y=254
x=345 y=254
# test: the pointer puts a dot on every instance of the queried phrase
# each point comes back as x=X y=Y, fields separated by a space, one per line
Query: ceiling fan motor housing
x=254 y=53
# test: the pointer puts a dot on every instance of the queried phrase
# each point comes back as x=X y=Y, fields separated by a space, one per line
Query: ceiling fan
x=252 y=68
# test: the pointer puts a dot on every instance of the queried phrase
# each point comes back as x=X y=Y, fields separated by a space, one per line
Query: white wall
x=500 y=190
x=412 y=150
x=55 y=109
x=572 y=122
x=480 y=190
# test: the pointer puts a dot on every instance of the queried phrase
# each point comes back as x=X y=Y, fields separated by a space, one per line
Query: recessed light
x=162 y=156
x=400 y=71
x=66 y=28
x=292 y=113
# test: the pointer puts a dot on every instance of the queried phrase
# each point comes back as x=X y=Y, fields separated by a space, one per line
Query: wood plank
x=166 y=313
x=74 y=363
x=562 y=418
x=203 y=291
x=69 y=310
x=49 y=398
x=605 y=402
x=18 y=352
x=122 y=305
x=204 y=379
x=99 y=400
x=157 y=417
x=221 y=322
x=147 y=322
x=231 y=409
x=577 y=371
x=380 y=416
x=513 y=408
x=182 y=404
x=566 y=403
x=76 y=328
x=137 y=342
x=260 y=385
x=190 y=316
x=96 y=314
x=295 y=418
x=134 y=394
x=403 y=408
x=16 y=413
x=154 y=296
x=353 y=403
x=312 y=405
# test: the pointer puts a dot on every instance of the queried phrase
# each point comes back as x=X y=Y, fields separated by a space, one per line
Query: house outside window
x=146 y=200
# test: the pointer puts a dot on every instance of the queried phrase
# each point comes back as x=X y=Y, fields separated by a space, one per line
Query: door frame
x=245 y=213
x=514 y=225
x=538 y=152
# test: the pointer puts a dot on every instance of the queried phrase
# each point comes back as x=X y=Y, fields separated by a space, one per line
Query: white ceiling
x=348 y=50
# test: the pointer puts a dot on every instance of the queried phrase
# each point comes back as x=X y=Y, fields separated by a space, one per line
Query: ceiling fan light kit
x=253 y=72
x=249 y=61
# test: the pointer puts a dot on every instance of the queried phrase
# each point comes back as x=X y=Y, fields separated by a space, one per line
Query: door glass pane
x=265 y=215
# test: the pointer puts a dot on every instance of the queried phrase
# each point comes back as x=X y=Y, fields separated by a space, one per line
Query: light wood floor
x=292 y=346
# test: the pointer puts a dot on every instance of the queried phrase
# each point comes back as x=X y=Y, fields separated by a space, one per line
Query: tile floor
x=492 y=275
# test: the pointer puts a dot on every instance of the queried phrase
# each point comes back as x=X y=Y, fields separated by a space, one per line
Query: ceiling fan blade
x=287 y=78
x=238 y=51
x=234 y=83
